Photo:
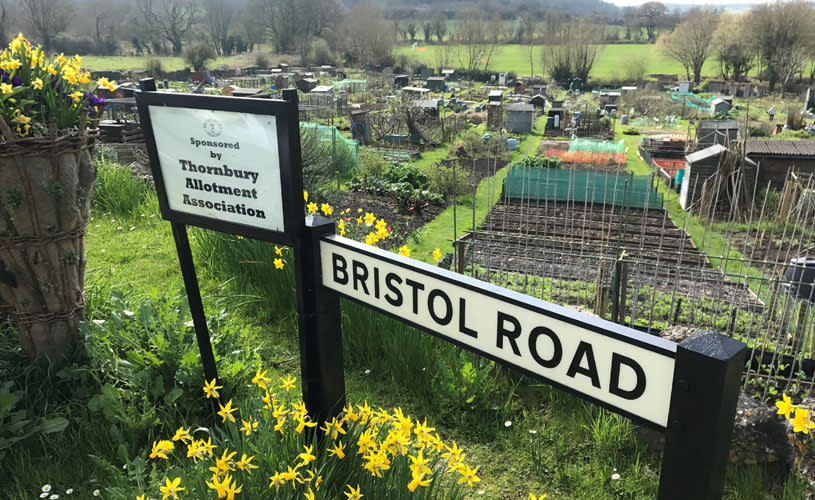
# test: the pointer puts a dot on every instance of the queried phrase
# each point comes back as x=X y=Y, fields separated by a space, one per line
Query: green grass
x=611 y=62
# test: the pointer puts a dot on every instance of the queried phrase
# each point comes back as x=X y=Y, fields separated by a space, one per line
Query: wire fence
x=636 y=264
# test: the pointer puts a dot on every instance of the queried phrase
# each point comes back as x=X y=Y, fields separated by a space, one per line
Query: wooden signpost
x=233 y=165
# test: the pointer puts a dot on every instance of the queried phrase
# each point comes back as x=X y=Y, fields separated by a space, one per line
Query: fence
x=565 y=236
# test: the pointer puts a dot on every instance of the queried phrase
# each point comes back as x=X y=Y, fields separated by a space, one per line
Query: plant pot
x=46 y=185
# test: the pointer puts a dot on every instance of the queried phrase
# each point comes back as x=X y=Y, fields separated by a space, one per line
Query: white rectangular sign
x=619 y=367
x=223 y=165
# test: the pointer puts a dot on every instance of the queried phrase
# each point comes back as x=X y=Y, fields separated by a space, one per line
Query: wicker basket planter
x=46 y=185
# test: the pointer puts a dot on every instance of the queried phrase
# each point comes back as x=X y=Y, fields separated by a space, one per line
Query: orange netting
x=588 y=157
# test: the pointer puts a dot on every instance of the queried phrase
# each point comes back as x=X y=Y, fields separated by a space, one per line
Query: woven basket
x=46 y=185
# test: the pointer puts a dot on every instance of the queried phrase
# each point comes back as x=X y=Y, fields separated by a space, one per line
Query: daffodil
x=404 y=251
x=276 y=481
x=436 y=254
x=210 y=389
x=353 y=494
x=533 y=497
x=278 y=263
x=287 y=383
x=260 y=379
x=326 y=208
x=106 y=84
x=182 y=435
x=311 y=207
x=76 y=96
x=171 y=488
x=226 y=411
x=248 y=426
x=278 y=250
x=468 y=475
x=305 y=195
x=245 y=463
x=369 y=219
x=161 y=449
x=338 y=450
x=785 y=406
x=37 y=83
x=416 y=481
x=801 y=423
x=6 y=88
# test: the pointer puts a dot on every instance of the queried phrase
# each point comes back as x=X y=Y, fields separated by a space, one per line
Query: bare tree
x=427 y=29
x=366 y=37
x=733 y=46
x=472 y=34
x=219 y=18
x=172 y=19
x=570 y=50
x=439 y=22
x=689 y=43
x=781 y=36
x=651 y=15
x=48 y=18
x=294 y=24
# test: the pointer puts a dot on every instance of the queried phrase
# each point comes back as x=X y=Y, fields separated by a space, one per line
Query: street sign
x=614 y=366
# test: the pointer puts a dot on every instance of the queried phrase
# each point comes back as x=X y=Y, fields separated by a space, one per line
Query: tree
x=689 y=43
x=471 y=34
x=570 y=50
x=427 y=29
x=365 y=37
x=48 y=19
x=219 y=18
x=172 y=19
x=411 y=30
x=651 y=15
x=293 y=24
x=252 y=24
x=733 y=46
x=782 y=38
x=439 y=22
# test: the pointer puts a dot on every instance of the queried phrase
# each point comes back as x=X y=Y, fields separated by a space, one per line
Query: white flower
x=533 y=431
x=508 y=423
x=129 y=314
x=98 y=322
x=43 y=495
x=96 y=493
x=189 y=324
x=367 y=372
x=119 y=228
x=69 y=491
x=124 y=466
x=46 y=488
x=132 y=228
x=481 y=492
x=53 y=497
x=615 y=476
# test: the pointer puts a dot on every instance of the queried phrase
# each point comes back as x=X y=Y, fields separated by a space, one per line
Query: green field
x=611 y=63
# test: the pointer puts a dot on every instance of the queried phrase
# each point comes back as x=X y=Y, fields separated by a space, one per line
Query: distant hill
x=508 y=9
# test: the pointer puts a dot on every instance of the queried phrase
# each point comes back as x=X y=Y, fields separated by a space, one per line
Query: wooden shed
x=520 y=117
x=775 y=158
x=710 y=132
x=698 y=167
x=435 y=83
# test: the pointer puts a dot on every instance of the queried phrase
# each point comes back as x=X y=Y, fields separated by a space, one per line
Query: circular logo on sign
x=212 y=128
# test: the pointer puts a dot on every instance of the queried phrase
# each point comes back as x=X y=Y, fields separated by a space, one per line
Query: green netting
x=597 y=146
x=599 y=188
x=329 y=134
x=692 y=100
x=351 y=85
x=648 y=121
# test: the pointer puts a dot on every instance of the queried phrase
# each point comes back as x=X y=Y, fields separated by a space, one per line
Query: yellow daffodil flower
x=37 y=83
x=801 y=423
x=785 y=406
x=226 y=411
x=260 y=379
x=337 y=450
x=171 y=488
x=219 y=486
x=305 y=195
x=278 y=250
x=276 y=481
x=211 y=390
x=326 y=208
x=278 y=263
x=182 y=435
x=369 y=219
x=161 y=449
x=5 y=88
x=436 y=254
x=353 y=494
x=533 y=497
x=76 y=96
x=309 y=494
x=468 y=475
x=312 y=208
x=404 y=251
x=248 y=426
x=245 y=463
x=287 y=383
x=416 y=481
x=307 y=456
